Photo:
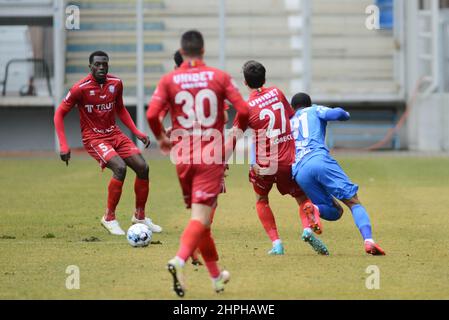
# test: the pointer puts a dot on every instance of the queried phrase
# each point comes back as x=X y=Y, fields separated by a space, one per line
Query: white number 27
x=272 y=132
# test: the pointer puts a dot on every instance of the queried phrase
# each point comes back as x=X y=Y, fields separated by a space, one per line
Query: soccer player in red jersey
x=178 y=59
x=269 y=118
x=195 y=94
x=99 y=98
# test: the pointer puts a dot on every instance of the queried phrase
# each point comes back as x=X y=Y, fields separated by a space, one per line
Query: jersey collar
x=192 y=64
x=92 y=78
x=257 y=92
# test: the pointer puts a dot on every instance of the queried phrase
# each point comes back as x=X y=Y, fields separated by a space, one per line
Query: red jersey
x=269 y=117
x=195 y=95
x=166 y=109
x=97 y=105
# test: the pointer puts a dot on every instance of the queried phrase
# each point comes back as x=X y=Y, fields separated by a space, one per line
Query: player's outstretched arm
x=155 y=108
x=234 y=135
x=334 y=114
x=231 y=141
x=58 y=120
x=233 y=95
x=125 y=117
x=154 y=121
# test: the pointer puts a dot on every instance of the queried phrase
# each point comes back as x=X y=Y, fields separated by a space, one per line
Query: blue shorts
x=322 y=178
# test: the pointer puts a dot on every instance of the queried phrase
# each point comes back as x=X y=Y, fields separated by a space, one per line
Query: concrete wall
x=428 y=125
x=350 y=62
x=32 y=129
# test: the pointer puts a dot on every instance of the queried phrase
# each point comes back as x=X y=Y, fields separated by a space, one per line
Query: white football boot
x=175 y=268
x=149 y=223
x=113 y=227
x=219 y=284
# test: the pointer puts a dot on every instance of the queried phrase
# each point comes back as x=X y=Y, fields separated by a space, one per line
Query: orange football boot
x=312 y=216
x=374 y=249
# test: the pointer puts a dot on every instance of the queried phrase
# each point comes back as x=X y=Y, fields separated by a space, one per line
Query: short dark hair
x=178 y=58
x=97 y=54
x=192 y=43
x=301 y=100
x=254 y=73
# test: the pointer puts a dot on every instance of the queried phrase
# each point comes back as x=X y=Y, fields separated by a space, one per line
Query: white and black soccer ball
x=139 y=235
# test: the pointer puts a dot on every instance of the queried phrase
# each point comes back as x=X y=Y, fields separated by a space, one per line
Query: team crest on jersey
x=111 y=89
x=92 y=92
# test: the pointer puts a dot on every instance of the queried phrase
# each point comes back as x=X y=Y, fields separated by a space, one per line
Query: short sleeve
x=231 y=90
x=72 y=99
x=161 y=93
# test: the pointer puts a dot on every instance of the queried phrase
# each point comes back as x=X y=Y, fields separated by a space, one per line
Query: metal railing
x=444 y=51
x=429 y=33
x=42 y=62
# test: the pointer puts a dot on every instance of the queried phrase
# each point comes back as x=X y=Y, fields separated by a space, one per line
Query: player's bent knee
x=120 y=171
x=145 y=170
x=339 y=213
x=330 y=213
x=352 y=202
x=142 y=170
x=260 y=198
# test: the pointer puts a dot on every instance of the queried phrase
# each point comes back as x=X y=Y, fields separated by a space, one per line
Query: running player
x=178 y=59
x=269 y=114
x=318 y=174
x=195 y=94
x=99 y=99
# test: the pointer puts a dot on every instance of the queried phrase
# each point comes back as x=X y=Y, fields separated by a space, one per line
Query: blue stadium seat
x=386 y=13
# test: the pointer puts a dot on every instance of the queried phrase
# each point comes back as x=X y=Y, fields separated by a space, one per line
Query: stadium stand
x=110 y=25
x=350 y=62
x=321 y=46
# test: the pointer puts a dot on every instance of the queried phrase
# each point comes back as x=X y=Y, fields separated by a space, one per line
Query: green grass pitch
x=406 y=197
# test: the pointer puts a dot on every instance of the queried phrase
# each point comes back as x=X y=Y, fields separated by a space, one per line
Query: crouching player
x=318 y=174
x=269 y=114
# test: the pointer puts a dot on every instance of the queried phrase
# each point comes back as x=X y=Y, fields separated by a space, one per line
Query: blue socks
x=361 y=218
x=362 y=221
x=329 y=213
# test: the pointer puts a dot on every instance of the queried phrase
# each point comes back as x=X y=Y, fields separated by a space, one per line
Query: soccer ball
x=139 y=235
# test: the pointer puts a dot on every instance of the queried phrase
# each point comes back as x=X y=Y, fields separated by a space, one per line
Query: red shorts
x=283 y=179
x=201 y=183
x=104 y=149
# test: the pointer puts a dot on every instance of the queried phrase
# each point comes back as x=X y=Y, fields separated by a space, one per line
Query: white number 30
x=193 y=108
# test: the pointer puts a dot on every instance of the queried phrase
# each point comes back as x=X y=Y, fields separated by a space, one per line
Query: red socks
x=114 y=194
x=209 y=253
x=267 y=218
x=141 y=189
x=196 y=235
x=190 y=239
x=212 y=267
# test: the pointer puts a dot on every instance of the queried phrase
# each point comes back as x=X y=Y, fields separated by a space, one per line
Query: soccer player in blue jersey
x=318 y=174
